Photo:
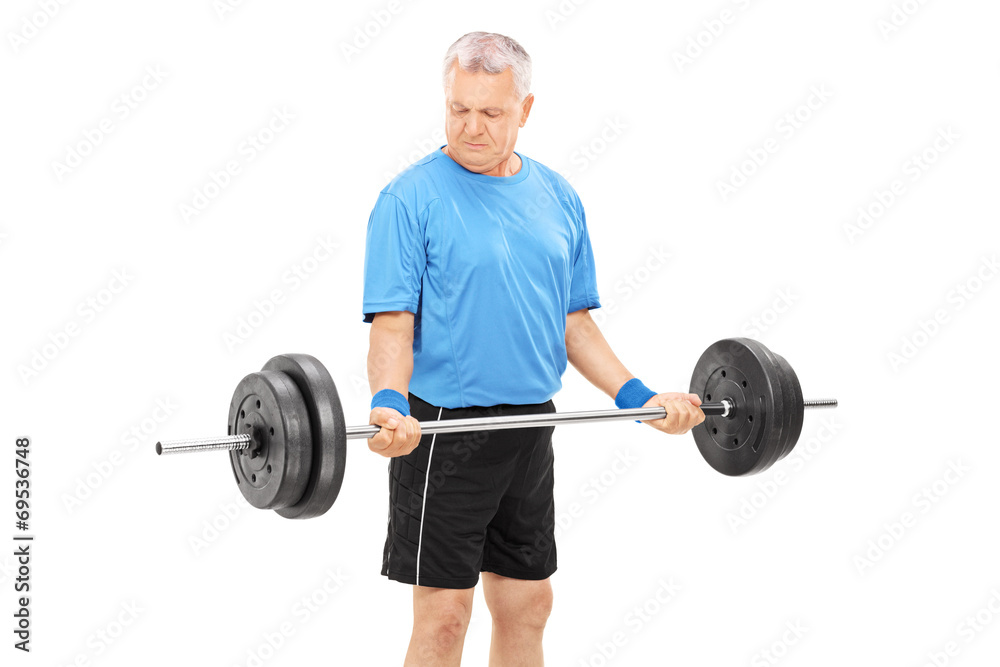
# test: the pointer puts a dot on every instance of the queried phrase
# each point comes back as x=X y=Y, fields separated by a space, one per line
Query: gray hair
x=492 y=53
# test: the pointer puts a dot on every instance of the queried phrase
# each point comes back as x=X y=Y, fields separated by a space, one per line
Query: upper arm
x=578 y=324
x=576 y=317
x=398 y=322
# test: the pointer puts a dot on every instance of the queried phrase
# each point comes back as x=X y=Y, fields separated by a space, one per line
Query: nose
x=473 y=126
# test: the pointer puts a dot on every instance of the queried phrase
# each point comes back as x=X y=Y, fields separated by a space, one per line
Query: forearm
x=590 y=354
x=390 y=352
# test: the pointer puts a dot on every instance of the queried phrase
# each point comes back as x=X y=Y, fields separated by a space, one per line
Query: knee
x=540 y=608
x=530 y=611
x=445 y=626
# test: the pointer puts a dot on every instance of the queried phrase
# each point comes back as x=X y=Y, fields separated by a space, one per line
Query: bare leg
x=440 y=620
x=519 y=609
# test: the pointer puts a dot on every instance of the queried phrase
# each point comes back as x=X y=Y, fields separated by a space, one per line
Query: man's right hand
x=399 y=435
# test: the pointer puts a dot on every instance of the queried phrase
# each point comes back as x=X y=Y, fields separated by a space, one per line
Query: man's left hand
x=683 y=413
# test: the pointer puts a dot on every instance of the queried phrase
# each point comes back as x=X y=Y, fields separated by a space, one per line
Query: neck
x=506 y=167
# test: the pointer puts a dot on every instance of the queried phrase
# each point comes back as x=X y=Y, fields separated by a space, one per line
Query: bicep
x=397 y=323
x=580 y=328
x=575 y=319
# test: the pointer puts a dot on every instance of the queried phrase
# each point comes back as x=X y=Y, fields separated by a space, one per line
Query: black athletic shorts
x=465 y=503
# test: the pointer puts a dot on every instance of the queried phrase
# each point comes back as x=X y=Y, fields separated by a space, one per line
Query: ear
x=526 y=108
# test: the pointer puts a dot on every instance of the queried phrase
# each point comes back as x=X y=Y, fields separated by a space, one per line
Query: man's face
x=483 y=116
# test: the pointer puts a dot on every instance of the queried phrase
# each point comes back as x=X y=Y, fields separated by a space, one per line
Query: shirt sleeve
x=394 y=258
x=583 y=286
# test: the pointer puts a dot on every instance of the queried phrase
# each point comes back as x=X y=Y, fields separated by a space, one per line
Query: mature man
x=479 y=276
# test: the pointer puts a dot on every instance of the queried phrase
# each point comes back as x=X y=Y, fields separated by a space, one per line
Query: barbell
x=287 y=439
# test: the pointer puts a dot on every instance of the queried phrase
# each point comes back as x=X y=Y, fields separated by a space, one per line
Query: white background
x=817 y=542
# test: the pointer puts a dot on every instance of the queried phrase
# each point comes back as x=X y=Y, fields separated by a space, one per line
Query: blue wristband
x=633 y=394
x=390 y=398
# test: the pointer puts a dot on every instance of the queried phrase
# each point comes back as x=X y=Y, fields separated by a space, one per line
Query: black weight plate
x=776 y=439
x=797 y=407
x=742 y=443
x=777 y=373
x=329 y=433
x=269 y=406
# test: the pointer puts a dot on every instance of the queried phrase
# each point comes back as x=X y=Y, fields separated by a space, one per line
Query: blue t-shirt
x=490 y=266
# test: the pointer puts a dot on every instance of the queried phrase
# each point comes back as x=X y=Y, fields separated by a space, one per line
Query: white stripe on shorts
x=423 y=506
